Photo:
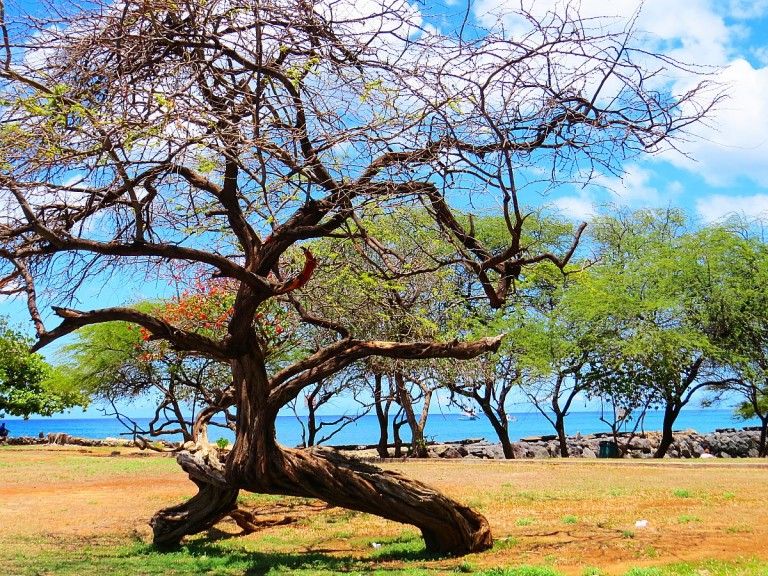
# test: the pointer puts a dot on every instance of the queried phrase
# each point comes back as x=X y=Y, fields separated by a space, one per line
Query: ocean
x=440 y=427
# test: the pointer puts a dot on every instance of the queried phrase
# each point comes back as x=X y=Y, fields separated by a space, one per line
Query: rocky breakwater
x=62 y=439
x=724 y=443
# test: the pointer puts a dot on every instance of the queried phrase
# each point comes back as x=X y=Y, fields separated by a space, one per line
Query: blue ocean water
x=440 y=427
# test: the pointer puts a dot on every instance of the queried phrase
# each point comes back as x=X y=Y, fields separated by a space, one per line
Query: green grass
x=687 y=519
x=570 y=519
x=522 y=571
x=505 y=543
x=523 y=522
x=681 y=493
x=85 y=557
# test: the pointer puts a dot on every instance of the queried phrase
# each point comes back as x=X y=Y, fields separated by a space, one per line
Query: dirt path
x=571 y=514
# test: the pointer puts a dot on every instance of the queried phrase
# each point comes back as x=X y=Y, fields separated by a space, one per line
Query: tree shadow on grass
x=254 y=563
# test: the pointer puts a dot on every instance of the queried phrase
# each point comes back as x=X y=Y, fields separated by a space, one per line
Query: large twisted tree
x=220 y=135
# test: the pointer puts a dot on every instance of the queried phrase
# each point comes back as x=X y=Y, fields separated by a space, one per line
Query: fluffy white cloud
x=691 y=31
x=734 y=142
x=635 y=190
x=744 y=9
x=716 y=207
x=580 y=207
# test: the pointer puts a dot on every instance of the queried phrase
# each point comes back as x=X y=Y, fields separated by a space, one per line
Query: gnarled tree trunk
x=258 y=464
x=215 y=499
x=447 y=526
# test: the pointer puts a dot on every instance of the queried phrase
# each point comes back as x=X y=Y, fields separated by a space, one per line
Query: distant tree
x=622 y=387
x=743 y=308
x=230 y=133
x=487 y=383
x=320 y=429
x=28 y=384
x=557 y=342
x=754 y=405
x=537 y=338
x=659 y=286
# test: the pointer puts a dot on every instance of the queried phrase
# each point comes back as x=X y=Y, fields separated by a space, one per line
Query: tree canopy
x=216 y=138
x=28 y=384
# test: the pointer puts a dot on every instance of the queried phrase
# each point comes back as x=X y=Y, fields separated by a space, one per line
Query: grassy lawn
x=85 y=512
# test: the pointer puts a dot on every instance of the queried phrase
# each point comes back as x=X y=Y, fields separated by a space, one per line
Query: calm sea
x=441 y=427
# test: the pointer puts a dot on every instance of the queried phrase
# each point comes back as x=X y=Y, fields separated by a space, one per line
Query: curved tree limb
x=179 y=339
x=285 y=385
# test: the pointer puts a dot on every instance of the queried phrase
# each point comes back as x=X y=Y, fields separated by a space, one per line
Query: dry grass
x=576 y=516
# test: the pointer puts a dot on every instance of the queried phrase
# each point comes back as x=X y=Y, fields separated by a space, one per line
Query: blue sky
x=721 y=169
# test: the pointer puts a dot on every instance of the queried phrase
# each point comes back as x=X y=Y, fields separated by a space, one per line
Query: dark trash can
x=608 y=449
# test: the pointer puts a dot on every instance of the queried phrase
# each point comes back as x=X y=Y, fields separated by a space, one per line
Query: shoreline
x=722 y=443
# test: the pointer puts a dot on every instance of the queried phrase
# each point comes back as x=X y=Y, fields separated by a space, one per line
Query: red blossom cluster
x=206 y=308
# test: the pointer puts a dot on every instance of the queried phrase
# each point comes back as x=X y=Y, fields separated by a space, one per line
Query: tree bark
x=418 y=445
x=258 y=464
x=382 y=416
x=562 y=439
x=447 y=526
x=763 y=447
x=215 y=499
x=670 y=415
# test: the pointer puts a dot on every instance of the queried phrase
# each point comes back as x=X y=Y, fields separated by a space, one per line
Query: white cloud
x=580 y=207
x=734 y=142
x=716 y=207
x=761 y=54
x=634 y=190
x=691 y=30
x=745 y=9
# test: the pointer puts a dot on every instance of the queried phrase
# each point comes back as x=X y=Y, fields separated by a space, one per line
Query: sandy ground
x=568 y=514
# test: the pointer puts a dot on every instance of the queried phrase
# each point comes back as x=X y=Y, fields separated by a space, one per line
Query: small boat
x=468 y=415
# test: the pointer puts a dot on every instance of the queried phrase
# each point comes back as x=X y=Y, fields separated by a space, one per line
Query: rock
x=445 y=451
x=588 y=453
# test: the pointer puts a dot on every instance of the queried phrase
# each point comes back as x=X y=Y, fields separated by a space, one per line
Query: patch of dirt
x=570 y=515
x=578 y=514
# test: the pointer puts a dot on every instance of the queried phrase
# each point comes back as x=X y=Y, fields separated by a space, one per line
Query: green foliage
x=106 y=355
x=222 y=443
x=522 y=571
x=28 y=384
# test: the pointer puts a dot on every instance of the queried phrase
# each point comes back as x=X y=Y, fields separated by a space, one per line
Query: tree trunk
x=215 y=499
x=763 y=447
x=418 y=445
x=447 y=526
x=382 y=416
x=311 y=423
x=397 y=440
x=258 y=464
x=670 y=415
x=500 y=427
x=562 y=439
